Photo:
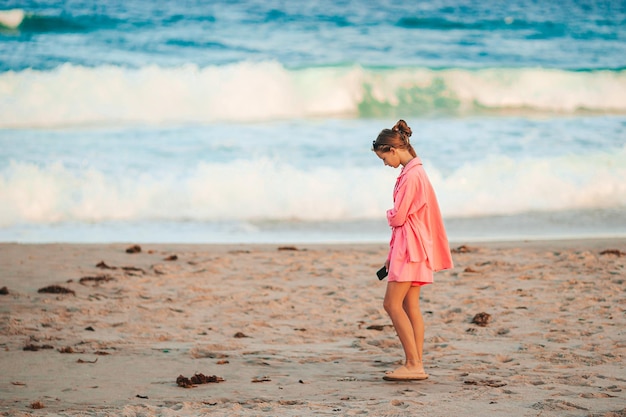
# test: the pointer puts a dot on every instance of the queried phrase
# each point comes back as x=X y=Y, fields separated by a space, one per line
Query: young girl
x=418 y=247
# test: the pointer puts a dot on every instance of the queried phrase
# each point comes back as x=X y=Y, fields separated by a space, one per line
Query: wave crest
x=75 y=95
x=11 y=19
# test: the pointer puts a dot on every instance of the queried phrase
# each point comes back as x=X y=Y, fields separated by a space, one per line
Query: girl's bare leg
x=395 y=305
x=411 y=306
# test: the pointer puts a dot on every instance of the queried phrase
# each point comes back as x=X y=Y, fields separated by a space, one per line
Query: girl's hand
x=387 y=264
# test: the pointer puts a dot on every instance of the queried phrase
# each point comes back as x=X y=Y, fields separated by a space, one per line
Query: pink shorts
x=418 y=273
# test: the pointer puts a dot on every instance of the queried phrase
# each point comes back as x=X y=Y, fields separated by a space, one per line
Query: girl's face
x=390 y=159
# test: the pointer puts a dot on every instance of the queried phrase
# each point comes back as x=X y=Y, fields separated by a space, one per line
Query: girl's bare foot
x=403 y=373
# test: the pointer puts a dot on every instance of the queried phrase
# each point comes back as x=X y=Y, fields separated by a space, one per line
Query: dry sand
x=302 y=332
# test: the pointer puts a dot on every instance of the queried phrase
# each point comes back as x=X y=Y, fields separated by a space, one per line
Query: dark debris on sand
x=4 y=291
x=131 y=269
x=494 y=383
x=133 y=249
x=127 y=269
x=291 y=248
x=481 y=319
x=103 y=265
x=96 y=279
x=35 y=348
x=37 y=405
x=56 y=289
x=612 y=252
x=379 y=327
x=463 y=249
x=197 y=379
x=68 y=349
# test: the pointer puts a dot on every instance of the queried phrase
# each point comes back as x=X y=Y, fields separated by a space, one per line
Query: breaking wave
x=74 y=95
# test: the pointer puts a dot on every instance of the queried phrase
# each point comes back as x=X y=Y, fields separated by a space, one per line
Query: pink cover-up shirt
x=418 y=233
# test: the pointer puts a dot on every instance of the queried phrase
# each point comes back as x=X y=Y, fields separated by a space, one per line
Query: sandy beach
x=300 y=330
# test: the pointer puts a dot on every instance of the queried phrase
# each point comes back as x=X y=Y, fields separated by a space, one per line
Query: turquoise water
x=252 y=121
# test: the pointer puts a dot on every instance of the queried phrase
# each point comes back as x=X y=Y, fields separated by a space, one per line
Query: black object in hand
x=381 y=273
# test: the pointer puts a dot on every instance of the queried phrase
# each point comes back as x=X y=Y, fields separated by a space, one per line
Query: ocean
x=252 y=121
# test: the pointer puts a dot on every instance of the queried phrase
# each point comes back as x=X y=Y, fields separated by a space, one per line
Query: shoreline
x=299 y=329
x=571 y=224
x=556 y=239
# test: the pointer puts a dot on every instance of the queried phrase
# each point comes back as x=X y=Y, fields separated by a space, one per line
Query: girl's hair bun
x=403 y=128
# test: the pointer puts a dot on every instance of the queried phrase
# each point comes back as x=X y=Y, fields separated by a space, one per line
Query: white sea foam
x=503 y=185
x=73 y=95
x=263 y=190
x=11 y=18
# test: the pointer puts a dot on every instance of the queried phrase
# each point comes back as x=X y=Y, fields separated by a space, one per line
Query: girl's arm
x=408 y=195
